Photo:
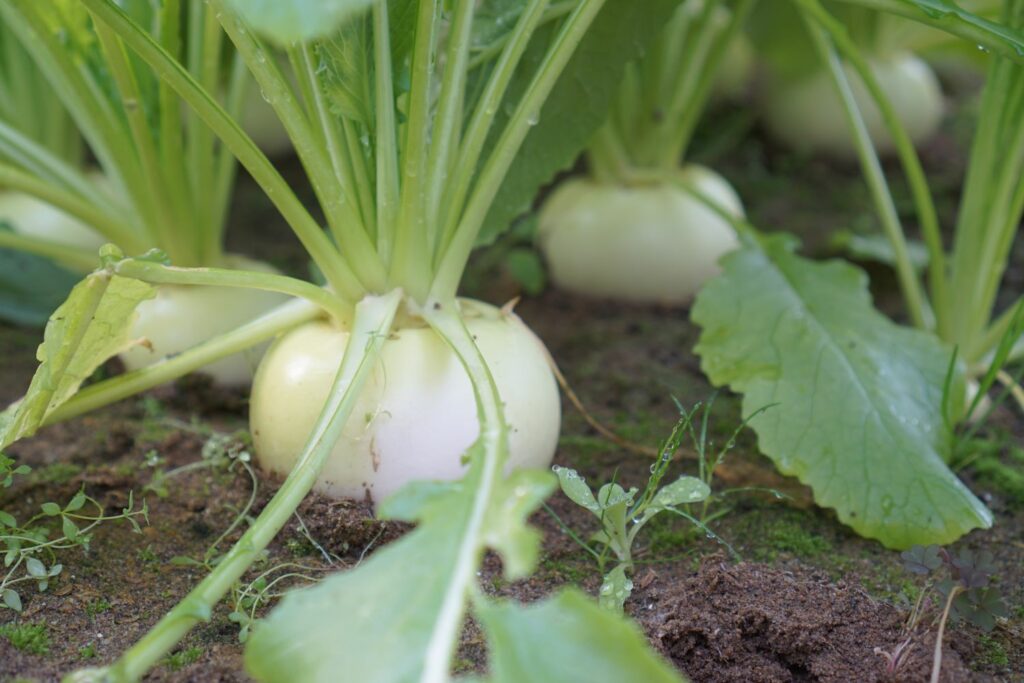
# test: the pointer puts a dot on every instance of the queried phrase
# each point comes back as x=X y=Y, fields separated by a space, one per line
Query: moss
x=991 y=652
x=1006 y=480
x=87 y=651
x=31 y=638
x=182 y=658
x=770 y=532
x=564 y=570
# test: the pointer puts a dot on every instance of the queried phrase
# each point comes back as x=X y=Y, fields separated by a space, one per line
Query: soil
x=810 y=601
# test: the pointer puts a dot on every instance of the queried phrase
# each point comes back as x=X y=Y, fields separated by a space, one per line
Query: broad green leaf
x=87 y=329
x=31 y=287
x=615 y=589
x=682 y=491
x=567 y=639
x=577 y=489
x=860 y=414
x=578 y=104
x=346 y=61
x=50 y=509
x=376 y=622
x=298 y=20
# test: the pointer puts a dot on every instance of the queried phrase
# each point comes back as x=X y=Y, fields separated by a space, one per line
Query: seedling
x=623 y=513
x=31 y=548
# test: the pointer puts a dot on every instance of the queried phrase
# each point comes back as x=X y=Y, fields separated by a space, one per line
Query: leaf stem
x=373 y=319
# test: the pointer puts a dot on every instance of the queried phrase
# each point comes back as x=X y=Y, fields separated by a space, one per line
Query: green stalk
x=386 y=148
x=339 y=217
x=267 y=326
x=106 y=224
x=372 y=322
x=409 y=268
x=153 y=203
x=79 y=260
x=977 y=30
x=445 y=139
x=356 y=249
x=36 y=160
x=690 y=112
x=920 y=314
x=319 y=247
x=911 y=162
x=475 y=136
x=453 y=262
x=444 y=318
x=84 y=99
x=159 y=274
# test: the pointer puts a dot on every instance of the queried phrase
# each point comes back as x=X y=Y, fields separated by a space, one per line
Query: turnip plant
x=799 y=104
x=424 y=128
x=868 y=408
x=630 y=230
x=164 y=179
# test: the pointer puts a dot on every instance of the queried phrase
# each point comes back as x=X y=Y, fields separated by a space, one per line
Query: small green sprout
x=623 y=513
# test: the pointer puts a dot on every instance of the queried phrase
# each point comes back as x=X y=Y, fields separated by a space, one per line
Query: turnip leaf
x=567 y=638
x=31 y=287
x=89 y=328
x=860 y=399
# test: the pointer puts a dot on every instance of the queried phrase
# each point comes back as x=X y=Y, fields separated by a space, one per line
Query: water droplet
x=533 y=118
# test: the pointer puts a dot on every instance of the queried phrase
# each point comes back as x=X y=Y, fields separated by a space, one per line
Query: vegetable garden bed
x=371 y=501
x=811 y=600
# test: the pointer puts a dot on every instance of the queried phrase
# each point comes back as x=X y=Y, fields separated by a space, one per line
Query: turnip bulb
x=416 y=415
x=182 y=316
x=807 y=114
x=35 y=218
x=651 y=242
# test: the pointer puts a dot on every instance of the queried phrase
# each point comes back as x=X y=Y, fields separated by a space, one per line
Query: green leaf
x=859 y=418
x=31 y=287
x=76 y=503
x=577 y=489
x=578 y=104
x=90 y=327
x=69 y=528
x=567 y=638
x=682 y=491
x=51 y=509
x=7 y=519
x=35 y=568
x=12 y=599
x=297 y=20
x=615 y=589
x=528 y=270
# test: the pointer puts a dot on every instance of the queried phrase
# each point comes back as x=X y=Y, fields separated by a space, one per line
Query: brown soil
x=753 y=622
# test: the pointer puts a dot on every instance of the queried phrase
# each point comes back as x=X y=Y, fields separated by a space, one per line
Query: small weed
x=31 y=638
x=30 y=548
x=147 y=556
x=623 y=513
x=87 y=651
x=182 y=658
x=97 y=607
